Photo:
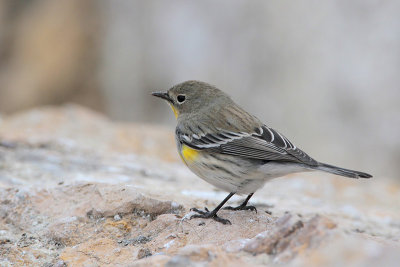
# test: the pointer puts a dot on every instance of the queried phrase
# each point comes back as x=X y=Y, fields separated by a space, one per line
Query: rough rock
x=290 y=236
x=79 y=190
x=99 y=200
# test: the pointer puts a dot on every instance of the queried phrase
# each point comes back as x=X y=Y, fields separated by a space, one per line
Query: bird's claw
x=208 y=215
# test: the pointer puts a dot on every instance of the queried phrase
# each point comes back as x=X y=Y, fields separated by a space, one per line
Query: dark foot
x=208 y=215
x=252 y=208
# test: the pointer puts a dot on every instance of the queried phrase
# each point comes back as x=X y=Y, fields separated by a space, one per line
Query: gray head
x=191 y=96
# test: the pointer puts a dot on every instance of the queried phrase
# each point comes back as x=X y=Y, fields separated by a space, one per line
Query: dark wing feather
x=264 y=144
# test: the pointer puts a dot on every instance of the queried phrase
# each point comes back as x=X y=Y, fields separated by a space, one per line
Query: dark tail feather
x=341 y=171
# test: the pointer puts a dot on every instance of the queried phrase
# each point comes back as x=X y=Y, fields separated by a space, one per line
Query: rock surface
x=79 y=190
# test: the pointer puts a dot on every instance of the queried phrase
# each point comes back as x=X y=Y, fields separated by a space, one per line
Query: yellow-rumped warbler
x=230 y=148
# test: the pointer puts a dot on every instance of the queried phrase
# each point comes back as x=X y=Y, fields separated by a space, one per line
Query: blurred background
x=324 y=73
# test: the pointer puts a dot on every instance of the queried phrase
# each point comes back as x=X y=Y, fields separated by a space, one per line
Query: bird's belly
x=227 y=173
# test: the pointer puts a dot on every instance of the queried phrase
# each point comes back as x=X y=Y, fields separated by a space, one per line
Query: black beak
x=163 y=95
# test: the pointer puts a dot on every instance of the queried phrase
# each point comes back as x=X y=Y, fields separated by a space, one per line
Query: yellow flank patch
x=189 y=154
x=174 y=110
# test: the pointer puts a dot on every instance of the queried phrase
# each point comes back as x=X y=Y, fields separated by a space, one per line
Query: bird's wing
x=264 y=144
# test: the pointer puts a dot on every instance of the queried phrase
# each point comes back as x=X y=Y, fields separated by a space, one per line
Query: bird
x=232 y=149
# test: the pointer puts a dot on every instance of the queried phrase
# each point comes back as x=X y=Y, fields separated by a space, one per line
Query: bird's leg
x=243 y=206
x=206 y=214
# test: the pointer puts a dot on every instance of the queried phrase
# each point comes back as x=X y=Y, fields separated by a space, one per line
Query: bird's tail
x=341 y=171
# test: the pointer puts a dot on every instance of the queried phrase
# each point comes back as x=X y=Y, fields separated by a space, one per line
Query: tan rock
x=71 y=193
x=156 y=260
x=101 y=251
x=197 y=253
x=290 y=235
x=99 y=200
x=73 y=127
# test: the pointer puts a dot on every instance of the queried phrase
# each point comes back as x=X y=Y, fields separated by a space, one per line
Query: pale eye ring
x=181 y=98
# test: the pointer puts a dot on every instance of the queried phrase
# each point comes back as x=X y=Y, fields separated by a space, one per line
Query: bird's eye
x=181 y=98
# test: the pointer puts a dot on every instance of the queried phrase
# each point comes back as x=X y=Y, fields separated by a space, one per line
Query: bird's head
x=191 y=96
